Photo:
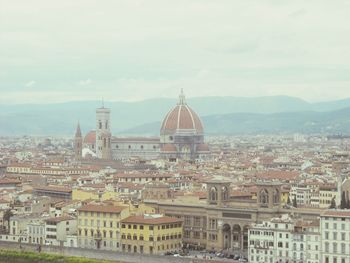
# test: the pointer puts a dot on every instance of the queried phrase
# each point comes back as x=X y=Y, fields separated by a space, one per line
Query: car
x=243 y=260
x=176 y=255
x=236 y=257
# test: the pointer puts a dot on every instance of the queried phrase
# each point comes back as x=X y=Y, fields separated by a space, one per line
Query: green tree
x=343 y=203
x=6 y=218
x=295 y=204
x=333 y=204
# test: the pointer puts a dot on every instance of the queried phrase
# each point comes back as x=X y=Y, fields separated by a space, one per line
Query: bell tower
x=103 y=134
x=78 y=144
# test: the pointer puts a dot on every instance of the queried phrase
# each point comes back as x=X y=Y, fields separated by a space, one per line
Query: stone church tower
x=78 y=144
x=103 y=134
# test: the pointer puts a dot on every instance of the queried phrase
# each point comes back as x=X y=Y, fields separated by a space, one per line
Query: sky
x=128 y=50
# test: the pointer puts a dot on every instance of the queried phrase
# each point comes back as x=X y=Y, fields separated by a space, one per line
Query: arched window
x=276 y=196
x=264 y=196
x=104 y=142
x=106 y=125
x=225 y=195
x=100 y=124
x=213 y=194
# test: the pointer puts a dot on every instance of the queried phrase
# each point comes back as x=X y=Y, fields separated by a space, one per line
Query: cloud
x=134 y=49
x=30 y=83
x=85 y=82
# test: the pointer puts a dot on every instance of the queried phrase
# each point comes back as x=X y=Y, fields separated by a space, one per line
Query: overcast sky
x=137 y=49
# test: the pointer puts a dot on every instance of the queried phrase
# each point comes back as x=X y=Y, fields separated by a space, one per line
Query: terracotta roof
x=150 y=220
x=337 y=213
x=131 y=186
x=328 y=187
x=59 y=219
x=102 y=208
x=9 y=181
x=203 y=147
x=286 y=175
x=90 y=138
x=141 y=175
x=53 y=188
x=168 y=148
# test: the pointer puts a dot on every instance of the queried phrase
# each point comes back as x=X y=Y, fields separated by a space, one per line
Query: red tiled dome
x=90 y=138
x=182 y=119
x=168 y=148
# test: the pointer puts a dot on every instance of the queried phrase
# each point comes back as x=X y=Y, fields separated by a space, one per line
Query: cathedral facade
x=181 y=137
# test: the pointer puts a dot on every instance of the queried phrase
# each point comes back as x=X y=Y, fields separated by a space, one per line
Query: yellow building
x=151 y=234
x=99 y=226
x=81 y=195
x=285 y=196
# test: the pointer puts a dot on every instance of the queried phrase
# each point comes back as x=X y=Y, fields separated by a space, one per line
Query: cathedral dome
x=182 y=120
x=90 y=138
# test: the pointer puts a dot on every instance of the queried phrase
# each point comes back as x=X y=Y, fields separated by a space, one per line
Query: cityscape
x=196 y=131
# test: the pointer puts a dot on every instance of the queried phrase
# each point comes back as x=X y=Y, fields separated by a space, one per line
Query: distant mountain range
x=221 y=115
x=334 y=122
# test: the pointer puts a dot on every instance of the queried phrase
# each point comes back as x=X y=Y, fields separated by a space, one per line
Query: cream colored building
x=99 y=226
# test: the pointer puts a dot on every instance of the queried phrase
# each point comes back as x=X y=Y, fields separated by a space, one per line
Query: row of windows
x=335 y=236
x=335 y=247
x=98 y=214
x=141 y=227
x=195 y=234
x=335 y=260
x=36 y=230
x=198 y=221
x=91 y=233
x=263 y=233
x=92 y=223
x=151 y=238
x=335 y=226
x=141 y=147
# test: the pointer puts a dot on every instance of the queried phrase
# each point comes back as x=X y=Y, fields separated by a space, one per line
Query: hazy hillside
x=250 y=123
x=61 y=118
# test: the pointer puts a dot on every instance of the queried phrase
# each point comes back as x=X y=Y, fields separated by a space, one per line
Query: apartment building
x=151 y=234
x=99 y=226
x=335 y=229
x=58 y=228
x=284 y=240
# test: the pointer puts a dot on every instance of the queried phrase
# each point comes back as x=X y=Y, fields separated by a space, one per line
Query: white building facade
x=284 y=240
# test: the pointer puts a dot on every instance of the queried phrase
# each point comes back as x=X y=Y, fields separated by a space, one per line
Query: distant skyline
x=130 y=50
